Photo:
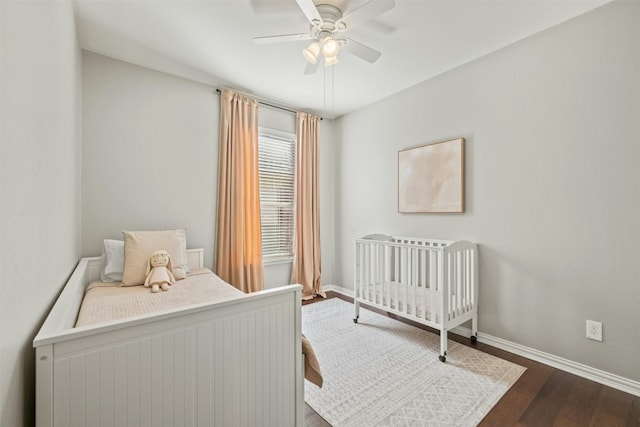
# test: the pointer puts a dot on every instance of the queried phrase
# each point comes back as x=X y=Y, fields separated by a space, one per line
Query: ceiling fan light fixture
x=311 y=52
x=330 y=47
x=330 y=60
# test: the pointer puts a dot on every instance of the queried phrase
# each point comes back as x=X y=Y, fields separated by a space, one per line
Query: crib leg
x=474 y=329
x=357 y=306
x=443 y=345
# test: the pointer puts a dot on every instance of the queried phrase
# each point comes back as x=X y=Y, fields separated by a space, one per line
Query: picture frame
x=431 y=178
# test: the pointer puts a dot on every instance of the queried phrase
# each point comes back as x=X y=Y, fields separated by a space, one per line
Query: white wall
x=150 y=157
x=552 y=188
x=40 y=87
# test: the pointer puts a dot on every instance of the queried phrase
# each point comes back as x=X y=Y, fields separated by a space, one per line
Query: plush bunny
x=159 y=272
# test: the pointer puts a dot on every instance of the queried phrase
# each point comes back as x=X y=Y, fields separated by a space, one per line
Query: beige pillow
x=139 y=245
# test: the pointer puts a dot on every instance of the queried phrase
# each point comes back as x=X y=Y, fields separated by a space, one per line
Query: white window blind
x=277 y=160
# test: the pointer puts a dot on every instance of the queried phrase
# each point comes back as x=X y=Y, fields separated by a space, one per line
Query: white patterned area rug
x=382 y=372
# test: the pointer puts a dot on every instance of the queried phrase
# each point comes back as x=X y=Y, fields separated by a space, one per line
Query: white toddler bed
x=432 y=282
x=235 y=361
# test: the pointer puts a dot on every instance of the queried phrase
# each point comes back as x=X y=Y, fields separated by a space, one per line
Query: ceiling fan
x=327 y=23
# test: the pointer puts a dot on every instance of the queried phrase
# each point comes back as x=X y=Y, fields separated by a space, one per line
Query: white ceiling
x=211 y=41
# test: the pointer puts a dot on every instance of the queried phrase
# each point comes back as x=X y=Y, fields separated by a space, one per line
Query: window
x=276 y=160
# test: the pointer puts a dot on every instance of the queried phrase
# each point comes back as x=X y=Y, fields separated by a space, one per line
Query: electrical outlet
x=594 y=330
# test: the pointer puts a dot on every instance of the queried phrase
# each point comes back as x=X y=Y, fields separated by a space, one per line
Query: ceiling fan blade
x=364 y=13
x=282 y=38
x=311 y=68
x=361 y=51
x=310 y=11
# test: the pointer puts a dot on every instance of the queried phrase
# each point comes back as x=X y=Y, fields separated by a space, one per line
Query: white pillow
x=112 y=261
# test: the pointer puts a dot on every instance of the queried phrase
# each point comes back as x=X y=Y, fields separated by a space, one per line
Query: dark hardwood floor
x=543 y=396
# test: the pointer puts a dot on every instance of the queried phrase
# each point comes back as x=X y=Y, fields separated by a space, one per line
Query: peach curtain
x=238 y=234
x=306 y=258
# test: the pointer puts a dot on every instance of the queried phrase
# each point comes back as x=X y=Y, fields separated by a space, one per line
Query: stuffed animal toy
x=159 y=272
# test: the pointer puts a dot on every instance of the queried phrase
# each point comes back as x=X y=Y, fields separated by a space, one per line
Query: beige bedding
x=111 y=301
x=311 y=365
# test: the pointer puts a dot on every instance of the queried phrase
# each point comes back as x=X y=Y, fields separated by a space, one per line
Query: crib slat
x=366 y=272
x=459 y=283
x=371 y=270
x=364 y=267
x=378 y=267
x=469 y=279
x=445 y=289
x=400 y=278
x=430 y=286
x=405 y=272
x=463 y=284
x=396 y=273
x=374 y=272
x=360 y=268
x=453 y=283
x=465 y=267
x=456 y=291
x=435 y=284
x=387 y=273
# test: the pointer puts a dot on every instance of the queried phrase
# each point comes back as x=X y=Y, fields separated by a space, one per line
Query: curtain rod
x=266 y=104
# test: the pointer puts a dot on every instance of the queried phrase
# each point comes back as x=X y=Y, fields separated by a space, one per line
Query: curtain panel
x=306 y=258
x=238 y=232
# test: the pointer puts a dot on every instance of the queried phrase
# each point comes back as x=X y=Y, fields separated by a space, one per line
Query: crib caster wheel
x=442 y=358
x=474 y=339
x=355 y=320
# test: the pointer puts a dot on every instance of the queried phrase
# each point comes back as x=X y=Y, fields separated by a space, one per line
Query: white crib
x=432 y=282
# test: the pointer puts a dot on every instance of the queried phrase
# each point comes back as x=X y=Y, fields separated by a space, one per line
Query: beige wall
x=40 y=86
x=150 y=157
x=552 y=186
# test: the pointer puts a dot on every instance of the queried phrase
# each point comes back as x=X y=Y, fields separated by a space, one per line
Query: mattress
x=105 y=302
x=379 y=294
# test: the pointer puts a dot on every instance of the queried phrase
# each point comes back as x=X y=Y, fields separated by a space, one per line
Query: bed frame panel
x=235 y=362
x=440 y=276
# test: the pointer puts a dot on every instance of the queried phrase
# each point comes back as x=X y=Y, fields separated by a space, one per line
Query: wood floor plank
x=580 y=405
x=613 y=408
x=517 y=399
x=633 y=418
x=545 y=408
x=543 y=396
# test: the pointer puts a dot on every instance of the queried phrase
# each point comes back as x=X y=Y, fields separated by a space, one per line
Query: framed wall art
x=431 y=178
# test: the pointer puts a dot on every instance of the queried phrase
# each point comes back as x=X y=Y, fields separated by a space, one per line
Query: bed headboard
x=195 y=258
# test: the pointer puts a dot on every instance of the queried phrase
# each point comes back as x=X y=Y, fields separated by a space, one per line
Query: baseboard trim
x=602 y=377
x=338 y=289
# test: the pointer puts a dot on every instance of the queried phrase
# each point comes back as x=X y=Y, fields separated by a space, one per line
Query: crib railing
x=432 y=281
